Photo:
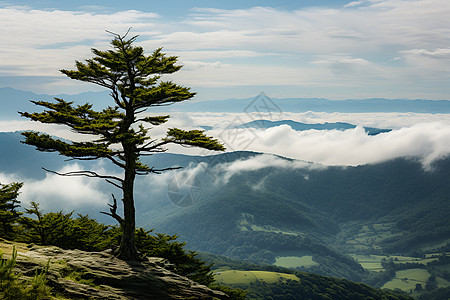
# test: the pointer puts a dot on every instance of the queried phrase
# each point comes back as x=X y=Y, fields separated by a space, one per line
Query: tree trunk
x=127 y=249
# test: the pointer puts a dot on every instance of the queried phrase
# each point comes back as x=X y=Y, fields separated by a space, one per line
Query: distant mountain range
x=303 y=126
x=12 y=101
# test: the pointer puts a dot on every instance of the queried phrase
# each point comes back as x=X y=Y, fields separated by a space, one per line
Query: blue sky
x=333 y=49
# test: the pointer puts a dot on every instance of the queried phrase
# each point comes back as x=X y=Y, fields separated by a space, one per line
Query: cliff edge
x=76 y=274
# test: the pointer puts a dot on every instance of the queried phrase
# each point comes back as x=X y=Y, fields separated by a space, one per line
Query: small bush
x=12 y=286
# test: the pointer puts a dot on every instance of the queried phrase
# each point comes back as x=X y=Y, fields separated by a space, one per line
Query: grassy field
x=370 y=262
x=369 y=237
x=406 y=280
x=295 y=261
x=246 y=277
x=246 y=223
x=373 y=262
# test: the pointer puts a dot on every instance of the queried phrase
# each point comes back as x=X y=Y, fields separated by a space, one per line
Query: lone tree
x=134 y=81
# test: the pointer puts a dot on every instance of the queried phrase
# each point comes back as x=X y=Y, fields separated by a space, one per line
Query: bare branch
x=113 y=211
x=87 y=174
x=140 y=111
x=149 y=143
x=155 y=171
x=114 y=184
x=82 y=158
x=114 y=161
x=155 y=148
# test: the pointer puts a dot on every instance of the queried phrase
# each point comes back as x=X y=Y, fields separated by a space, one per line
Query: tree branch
x=114 y=161
x=87 y=174
x=155 y=147
x=113 y=211
x=114 y=184
x=155 y=171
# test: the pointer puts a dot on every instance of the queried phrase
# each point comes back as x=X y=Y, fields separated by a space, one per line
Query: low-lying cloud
x=55 y=192
x=413 y=134
x=225 y=171
x=422 y=135
x=428 y=141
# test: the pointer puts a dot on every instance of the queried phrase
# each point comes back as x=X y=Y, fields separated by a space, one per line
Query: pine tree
x=8 y=208
x=134 y=81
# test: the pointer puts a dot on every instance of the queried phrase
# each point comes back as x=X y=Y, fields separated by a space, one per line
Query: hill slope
x=261 y=213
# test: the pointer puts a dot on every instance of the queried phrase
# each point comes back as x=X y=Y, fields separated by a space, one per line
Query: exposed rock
x=99 y=275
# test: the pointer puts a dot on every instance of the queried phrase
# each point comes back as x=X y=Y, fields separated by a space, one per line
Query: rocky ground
x=78 y=274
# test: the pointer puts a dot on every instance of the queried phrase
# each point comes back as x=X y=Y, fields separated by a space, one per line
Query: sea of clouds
x=423 y=136
x=413 y=134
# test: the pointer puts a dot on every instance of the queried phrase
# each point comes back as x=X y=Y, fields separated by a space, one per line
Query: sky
x=334 y=49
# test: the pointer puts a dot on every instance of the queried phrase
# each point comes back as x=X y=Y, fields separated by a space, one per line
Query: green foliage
x=313 y=286
x=441 y=293
x=84 y=233
x=186 y=262
x=193 y=138
x=60 y=229
x=8 y=208
x=12 y=286
x=233 y=293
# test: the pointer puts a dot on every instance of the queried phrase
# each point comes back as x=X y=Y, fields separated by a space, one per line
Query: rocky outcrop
x=99 y=275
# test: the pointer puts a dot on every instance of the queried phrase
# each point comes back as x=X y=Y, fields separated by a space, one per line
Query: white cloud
x=435 y=63
x=215 y=54
x=229 y=75
x=356 y=45
x=56 y=192
x=256 y=46
x=381 y=120
x=190 y=65
x=345 y=66
x=438 y=53
x=414 y=134
x=354 y=3
x=428 y=141
x=39 y=43
x=226 y=170
x=160 y=181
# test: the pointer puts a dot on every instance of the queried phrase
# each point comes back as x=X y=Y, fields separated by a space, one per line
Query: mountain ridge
x=14 y=100
x=298 y=126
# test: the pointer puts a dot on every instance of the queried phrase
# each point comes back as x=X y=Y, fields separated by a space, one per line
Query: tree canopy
x=8 y=207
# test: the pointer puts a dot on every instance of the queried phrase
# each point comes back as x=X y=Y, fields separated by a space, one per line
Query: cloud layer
x=414 y=134
x=429 y=141
x=56 y=192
